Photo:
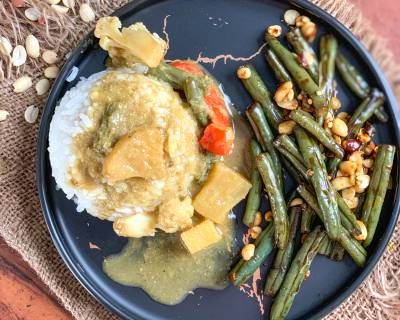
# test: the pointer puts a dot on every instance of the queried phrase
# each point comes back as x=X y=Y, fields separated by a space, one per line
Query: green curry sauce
x=163 y=267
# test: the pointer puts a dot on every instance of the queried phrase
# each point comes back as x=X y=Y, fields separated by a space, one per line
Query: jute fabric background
x=21 y=221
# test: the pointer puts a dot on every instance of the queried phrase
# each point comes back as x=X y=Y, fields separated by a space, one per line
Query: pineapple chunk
x=136 y=226
x=139 y=155
x=130 y=45
x=223 y=189
x=201 y=236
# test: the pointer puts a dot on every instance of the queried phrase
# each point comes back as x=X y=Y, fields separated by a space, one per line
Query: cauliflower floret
x=130 y=45
x=175 y=215
x=138 y=225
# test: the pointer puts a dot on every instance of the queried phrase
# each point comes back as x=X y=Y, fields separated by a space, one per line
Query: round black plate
x=212 y=27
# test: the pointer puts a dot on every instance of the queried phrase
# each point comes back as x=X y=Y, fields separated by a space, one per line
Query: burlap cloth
x=21 y=221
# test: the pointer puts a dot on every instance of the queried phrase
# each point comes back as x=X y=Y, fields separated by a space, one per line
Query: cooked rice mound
x=144 y=104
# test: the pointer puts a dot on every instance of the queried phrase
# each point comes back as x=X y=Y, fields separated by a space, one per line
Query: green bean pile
x=342 y=175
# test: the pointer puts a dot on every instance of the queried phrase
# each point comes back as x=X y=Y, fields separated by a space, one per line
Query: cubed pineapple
x=223 y=189
x=201 y=236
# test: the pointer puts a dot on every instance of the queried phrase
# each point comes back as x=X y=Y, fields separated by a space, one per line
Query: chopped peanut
x=340 y=127
x=358 y=189
x=349 y=193
x=248 y=251
x=363 y=136
x=301 y=20
x=309 y=31
x=369 y=148
x=347 y=167
x=352 y=203
x=335 y=103
x=362 y=181
x=286 y=127
x=368 y=163
x=340 y=183
x=255 y=232
x=257 y=219
x=268 y=216
x=356 y=157
x=338 y=139
x=284 y=96
x=364 y=232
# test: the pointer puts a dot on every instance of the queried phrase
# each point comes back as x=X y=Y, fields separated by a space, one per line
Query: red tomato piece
x=217 y=110
x=188 y=66
x=218 y=140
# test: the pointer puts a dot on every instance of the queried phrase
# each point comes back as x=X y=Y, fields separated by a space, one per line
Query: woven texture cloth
x=21 y=220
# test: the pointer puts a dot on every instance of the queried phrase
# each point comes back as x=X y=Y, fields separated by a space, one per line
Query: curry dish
x=156 y=148
x=142 y=153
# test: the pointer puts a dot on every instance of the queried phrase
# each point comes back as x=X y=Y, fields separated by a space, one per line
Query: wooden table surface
x=24 y=296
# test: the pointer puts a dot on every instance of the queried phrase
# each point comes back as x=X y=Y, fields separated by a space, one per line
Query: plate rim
x=42 y=142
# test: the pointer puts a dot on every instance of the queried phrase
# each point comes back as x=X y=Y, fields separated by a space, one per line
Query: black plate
x=212 y=27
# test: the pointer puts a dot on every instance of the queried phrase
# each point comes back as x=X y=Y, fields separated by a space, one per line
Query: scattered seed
x=32 y=14
x=3 y=115
x=5 y=46
x=18 y=56
x=42 y=86
x=32 y=46
x=1 y=72
x=59 y=9
x=31 y=114
x=69 y=3
x=53 y=1
x=22 y=84
x=290 y=17
x=86 y=13
x=3 y=166
x=51 y=72
x=49 y=56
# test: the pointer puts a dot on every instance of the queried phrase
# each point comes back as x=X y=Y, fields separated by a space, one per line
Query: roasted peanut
x=248 y=251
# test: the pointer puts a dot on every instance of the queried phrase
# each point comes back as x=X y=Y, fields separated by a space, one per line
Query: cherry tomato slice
x=218 y=140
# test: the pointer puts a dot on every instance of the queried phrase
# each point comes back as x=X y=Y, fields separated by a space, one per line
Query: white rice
x=68 y=120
